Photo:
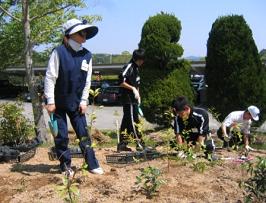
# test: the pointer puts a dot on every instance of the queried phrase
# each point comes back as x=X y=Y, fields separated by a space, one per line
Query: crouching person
x=191 y=125
x=235 y=128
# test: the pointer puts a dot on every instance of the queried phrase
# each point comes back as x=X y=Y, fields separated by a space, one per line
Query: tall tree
x=37 y=23
x=234 y=72
x=163 y=75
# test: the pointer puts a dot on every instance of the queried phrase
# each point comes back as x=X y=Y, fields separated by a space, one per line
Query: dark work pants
x=79 y=124
x=130 y=117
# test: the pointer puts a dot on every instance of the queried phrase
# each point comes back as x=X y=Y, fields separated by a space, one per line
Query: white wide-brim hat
x=254 y=112
x=74 y=25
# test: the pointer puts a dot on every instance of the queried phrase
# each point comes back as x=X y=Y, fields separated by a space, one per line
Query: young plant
x=149 y=181
x=237 y=136
x=167 y=139
x=255 y=186
x=149 y=142
x=199 y=166
x=15 y=129
x=94 y=94
x=69 y=191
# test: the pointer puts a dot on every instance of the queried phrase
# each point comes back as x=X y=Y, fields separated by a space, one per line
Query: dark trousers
x=130 y=117
x=79 y=124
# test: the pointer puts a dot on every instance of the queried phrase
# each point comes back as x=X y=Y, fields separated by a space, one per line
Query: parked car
x=109 y=95
x=8 y=90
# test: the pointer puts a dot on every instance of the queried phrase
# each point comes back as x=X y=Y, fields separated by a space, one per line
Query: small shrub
x=149 y=181
x=199 y=166
x=255 y=186
x=69 y=190
x=15 y=129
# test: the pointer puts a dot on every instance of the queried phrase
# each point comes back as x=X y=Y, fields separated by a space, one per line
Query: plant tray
x=25 y=156
x=74 y=153
x=126 y=158
x=20 y=157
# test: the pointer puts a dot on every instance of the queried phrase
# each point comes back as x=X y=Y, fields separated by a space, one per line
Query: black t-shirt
x=198 y=121
x=130 y=75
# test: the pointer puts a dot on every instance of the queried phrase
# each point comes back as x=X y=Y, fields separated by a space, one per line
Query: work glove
x=136 y=93
x=248 y=148
x=226 y=138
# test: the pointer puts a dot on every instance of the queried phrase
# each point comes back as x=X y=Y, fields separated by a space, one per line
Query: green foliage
x=234 y=72
x=69 y=190
x=163 y=75
x=159 y=91
x=255 y=186
x=159 y=38
x=93 y=117
x=200 y=166
x=14 y=127
x=238 y=136
x=167 y=137
x=46 y=19
x=149 y=181
x=263 y=55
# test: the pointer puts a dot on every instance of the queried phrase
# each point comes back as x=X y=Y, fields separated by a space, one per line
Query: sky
x=122 y=22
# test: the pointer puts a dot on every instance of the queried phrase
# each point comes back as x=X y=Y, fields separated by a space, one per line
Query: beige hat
x=254 y=112
x=74 y=25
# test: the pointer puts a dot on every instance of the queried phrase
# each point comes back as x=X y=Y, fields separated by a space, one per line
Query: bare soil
x=37 y=180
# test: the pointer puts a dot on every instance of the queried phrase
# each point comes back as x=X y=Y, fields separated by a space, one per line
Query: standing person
x=191 y=124
x=238 y=122
x=67 y=84
x=129 y=80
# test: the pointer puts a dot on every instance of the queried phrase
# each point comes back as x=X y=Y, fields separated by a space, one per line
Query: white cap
x=254 y=112
x=74 y=25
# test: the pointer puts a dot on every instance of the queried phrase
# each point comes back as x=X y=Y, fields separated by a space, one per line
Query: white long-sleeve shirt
x=52 y=75
x=236 y=118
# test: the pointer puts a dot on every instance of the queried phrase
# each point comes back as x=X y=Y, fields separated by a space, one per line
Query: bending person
x=235 y=128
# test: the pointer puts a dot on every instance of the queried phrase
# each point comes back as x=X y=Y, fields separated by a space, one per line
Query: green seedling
x=166 y=139
x=92 y=116
x=255 y=186
x=149 y=181
x=199 y=166
x=69 y=190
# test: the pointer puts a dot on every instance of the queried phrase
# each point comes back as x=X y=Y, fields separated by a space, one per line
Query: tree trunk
x=38 y=116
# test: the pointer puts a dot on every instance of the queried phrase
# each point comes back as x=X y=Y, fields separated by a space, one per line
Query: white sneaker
x=69 y=173
x=98 y=171
x=181 y=155
x=248 y=148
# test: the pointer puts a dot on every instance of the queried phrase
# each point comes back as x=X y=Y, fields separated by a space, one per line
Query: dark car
x=109 y=95
x=8 y=90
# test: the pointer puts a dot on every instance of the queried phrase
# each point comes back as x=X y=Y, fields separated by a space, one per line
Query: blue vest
x=71 y=79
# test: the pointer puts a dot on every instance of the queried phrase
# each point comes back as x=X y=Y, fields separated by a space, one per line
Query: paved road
x=106 y=117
